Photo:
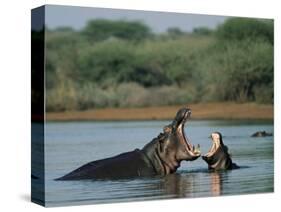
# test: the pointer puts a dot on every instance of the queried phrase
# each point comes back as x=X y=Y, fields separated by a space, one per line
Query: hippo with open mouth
x=161 y=156
x=218 y=157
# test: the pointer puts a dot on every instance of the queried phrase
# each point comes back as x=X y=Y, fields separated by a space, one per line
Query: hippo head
x=177 y=142
x=217 y=157
x=172 y=146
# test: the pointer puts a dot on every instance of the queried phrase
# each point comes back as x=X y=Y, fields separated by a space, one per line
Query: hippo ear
x=167 y=129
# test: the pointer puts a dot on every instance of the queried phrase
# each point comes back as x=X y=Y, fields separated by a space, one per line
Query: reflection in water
x=216 y=183
x=185 y=185
x=178 y=185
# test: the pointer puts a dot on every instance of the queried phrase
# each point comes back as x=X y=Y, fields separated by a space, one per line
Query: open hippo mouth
x=218 y=157
x=215 y=146
x=193 y=152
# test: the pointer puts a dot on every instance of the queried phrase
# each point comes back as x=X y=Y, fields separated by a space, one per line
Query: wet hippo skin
x=261 y=134
x=161 y=156
x=218 y=157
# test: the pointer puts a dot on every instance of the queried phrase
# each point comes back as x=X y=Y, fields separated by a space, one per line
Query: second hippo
x=218 y=157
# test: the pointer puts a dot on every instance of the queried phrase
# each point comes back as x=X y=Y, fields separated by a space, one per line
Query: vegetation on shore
x=229 y=110
x=122 y=64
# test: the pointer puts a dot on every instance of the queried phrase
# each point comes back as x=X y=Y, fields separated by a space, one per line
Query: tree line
x=124 y=64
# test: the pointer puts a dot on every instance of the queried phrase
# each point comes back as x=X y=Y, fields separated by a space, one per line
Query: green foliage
x=236 y=71
x=150 y=63
x=101 y=29
x=122 y=64
x=202 y=31
x=174 y=32
x=246 y=28
x=106 y=62
x=175 y=60
x=72 y=96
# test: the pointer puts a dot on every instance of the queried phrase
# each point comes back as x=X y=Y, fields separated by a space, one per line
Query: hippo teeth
x=197 y=149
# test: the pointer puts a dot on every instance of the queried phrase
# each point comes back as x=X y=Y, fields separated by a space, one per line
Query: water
x=72 y=144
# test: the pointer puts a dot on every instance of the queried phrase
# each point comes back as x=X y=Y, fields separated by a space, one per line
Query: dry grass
x=199 y=111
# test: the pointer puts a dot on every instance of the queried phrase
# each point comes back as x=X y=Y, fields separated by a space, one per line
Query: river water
x=69 y=145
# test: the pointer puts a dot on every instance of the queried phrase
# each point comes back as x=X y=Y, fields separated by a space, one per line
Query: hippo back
x=128 y=164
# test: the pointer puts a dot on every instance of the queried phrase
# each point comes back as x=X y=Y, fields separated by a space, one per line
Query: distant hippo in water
x=218 y=157
x=261 y=134
x=161 y=156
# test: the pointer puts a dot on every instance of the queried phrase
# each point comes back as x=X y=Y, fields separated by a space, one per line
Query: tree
x=97 y=30
x=246 y=28
x=202 y=31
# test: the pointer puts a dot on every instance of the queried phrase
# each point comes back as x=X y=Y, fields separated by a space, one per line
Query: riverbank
x=199 y=111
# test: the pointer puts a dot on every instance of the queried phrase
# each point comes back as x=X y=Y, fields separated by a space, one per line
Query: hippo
x=161 y=156
x=261 y=134
x=218 y=157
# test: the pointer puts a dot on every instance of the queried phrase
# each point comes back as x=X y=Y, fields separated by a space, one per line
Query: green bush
x=69 y=96
x=102 y=29
x=106 y=62
x=233 y=70
x=246 y=28
x=174 y=60
x=202 y=31
x=122 y=64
